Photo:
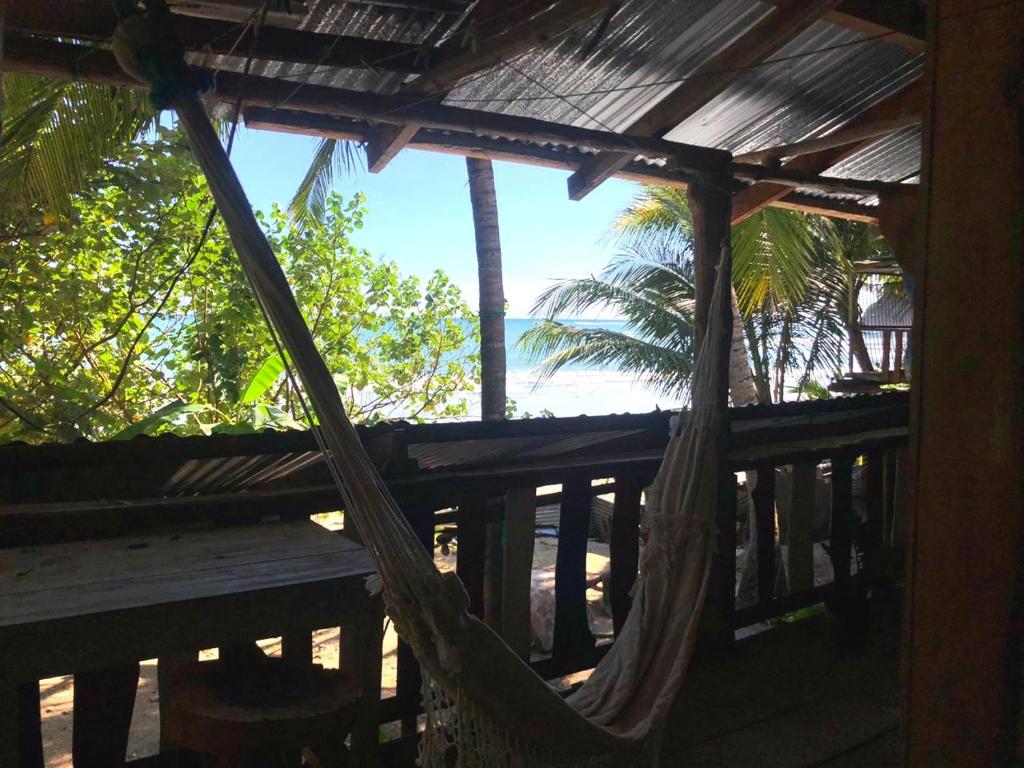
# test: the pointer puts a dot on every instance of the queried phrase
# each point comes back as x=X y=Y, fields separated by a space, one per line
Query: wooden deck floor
x=792 y=698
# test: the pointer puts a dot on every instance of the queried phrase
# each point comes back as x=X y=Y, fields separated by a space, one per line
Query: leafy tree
x=124 y=317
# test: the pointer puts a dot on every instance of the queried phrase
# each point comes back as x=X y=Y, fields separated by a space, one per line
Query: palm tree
x=55 y=135
x=492 y=293
x=791 y=278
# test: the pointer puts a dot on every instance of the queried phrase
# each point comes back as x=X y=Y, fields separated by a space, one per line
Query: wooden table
x=96 y=608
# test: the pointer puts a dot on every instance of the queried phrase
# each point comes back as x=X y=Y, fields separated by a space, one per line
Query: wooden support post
x=764 y=507
x=470 y=557
x=800 y=531
x=103 y=704
x=21 y=742
x=967 y=424
x=572 y=635
x=409 y=678
x=711 y=206
x=624 y=547
x=362 y=640
x=166 y=667
x=518 y=539
x=840 y=540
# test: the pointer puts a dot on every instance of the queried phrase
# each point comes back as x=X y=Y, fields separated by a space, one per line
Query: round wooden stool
x=263 y=718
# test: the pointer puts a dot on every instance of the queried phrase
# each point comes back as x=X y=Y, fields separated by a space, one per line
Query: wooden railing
x=827 y=498
x=828 y=494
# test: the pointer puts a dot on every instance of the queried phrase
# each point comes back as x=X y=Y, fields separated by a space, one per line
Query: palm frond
x=659 y=367
x=332 y=158
x=61 y=133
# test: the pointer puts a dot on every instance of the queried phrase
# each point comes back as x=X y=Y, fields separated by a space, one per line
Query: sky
x=420 y=215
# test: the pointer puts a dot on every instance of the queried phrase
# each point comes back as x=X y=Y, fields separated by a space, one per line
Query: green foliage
x=122 y=319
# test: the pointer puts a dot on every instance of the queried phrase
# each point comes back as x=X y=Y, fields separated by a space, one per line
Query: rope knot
x=147 y=49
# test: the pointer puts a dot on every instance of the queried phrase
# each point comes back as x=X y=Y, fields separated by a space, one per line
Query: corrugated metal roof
x=814 y=84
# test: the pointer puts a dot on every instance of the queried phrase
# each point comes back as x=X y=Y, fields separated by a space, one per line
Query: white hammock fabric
x=480 y=698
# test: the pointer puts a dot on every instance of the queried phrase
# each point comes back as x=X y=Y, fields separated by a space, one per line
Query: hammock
x=479 y=696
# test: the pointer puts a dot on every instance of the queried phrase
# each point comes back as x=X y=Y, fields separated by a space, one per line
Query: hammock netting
x=484 y=705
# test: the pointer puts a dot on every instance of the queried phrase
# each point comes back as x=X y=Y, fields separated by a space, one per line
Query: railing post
x=840 y=540
x=409 y=678
x=764 y=508
x=572 y=635
x=470 y=557
x=624 y=546
x=800 y=531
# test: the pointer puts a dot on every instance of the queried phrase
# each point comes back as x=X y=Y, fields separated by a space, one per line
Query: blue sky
x=420 y=217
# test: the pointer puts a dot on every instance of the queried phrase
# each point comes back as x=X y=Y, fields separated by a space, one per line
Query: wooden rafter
x=75 y=62
x=450 y=142
x=754 y=198
x=839 y=138
x=793 y=179
x=518 y=38
x=717 y=73
x=900 y=22
x=96 y=21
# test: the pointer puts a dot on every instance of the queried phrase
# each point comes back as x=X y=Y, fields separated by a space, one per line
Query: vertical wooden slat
x=800 y=531
x=842 y=515
x=874 y=495
x=471 y=550
x=898 y=357
x=409 y=679
x=103 y=704
x=624 y=547
x=572 y=635
x=518 y=540
x=494 y=566
x=886 y=370
x=764 y=508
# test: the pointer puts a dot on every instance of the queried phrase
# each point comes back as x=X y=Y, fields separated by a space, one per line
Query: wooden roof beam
x=518 y=38
x=901 y=21
x=839 y=138
x=449 y=142
x=908 y=101
x=69 y=61
x=789 y=19
x=94 y=21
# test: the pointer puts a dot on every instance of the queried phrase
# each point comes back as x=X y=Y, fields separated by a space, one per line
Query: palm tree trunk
x=741 y=379
x=492 y=293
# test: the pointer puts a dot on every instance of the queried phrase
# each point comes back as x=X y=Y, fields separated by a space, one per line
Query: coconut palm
x=791 y=277
x=54 y=136
x=492 y=292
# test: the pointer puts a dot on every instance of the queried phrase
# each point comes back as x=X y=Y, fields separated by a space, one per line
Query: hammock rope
x=480 y=698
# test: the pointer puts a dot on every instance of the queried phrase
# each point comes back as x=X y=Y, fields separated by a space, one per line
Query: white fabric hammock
x=480 y=697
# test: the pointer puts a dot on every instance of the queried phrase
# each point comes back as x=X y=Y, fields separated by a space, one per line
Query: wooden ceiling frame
x=520 y=37
x=907 y=101
x=210 y=36
x=901 y=22
x=712 y=77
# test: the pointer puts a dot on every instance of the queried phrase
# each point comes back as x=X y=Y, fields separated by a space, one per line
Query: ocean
x=576 y=389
